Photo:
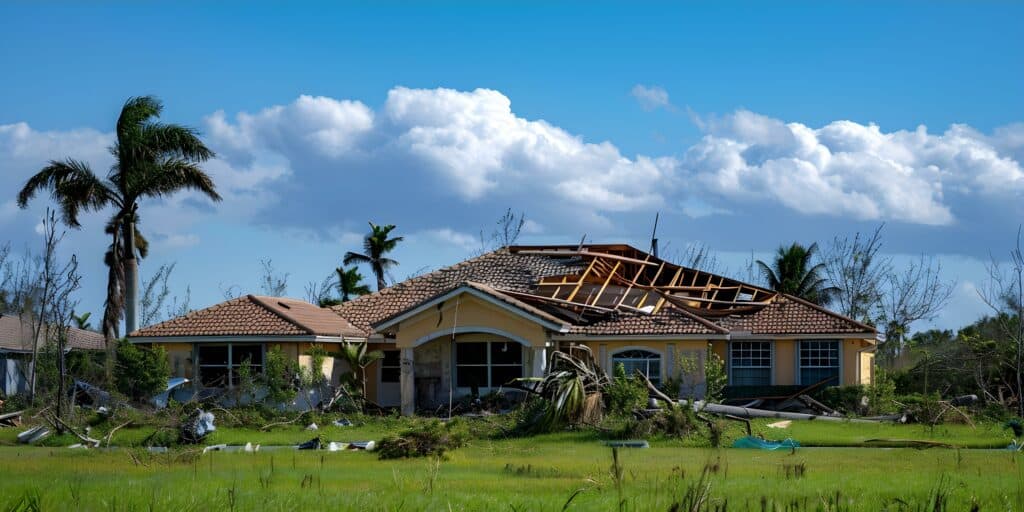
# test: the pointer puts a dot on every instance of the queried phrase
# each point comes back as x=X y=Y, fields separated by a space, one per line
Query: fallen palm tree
x=572 y=390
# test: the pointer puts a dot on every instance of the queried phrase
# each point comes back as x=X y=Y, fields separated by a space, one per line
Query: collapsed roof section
x=621 y=278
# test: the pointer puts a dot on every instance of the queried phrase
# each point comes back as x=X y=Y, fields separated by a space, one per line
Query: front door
x=389 y=390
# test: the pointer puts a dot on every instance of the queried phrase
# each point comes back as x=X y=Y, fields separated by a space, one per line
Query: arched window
x=649 y=363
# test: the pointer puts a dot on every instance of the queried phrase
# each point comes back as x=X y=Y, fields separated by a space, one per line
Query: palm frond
x=74 y=187
x=173 y=175
x=175 y=141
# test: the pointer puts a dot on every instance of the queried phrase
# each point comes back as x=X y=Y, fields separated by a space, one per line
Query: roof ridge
x=281 y=314
x=190 y=314
x=414 y=280
x=829 y=312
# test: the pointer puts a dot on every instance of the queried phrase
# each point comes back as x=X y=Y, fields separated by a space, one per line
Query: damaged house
x=474 y=326
x=16 y=341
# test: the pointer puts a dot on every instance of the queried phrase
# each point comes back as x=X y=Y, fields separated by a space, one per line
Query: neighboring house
x=475 y=326
x=209 y=345
x=16 y=349
x=478 y=324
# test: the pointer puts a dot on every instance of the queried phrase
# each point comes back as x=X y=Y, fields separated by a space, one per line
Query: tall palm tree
x=793 y=271
x=375 y=245
x=152 y=159
x=350 y=283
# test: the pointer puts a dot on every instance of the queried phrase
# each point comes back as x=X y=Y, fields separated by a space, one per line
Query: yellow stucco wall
x=472 y=312
x=867 y=363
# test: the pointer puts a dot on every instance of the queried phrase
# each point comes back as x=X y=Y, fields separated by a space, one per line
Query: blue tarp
x=761 y=444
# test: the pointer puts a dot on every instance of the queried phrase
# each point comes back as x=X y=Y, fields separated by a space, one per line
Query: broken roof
x=604 y=290
x=253 y=315
x=16 y=336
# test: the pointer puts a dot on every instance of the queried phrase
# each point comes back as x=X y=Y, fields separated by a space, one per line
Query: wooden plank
x=556 y=301
x=590 y=254
x=579 y=284
x=661 y=301
x=605 y=285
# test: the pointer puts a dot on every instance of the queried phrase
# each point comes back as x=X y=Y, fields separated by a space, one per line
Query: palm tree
x=358 y=359
x=793 y=272
x=375 y=246
x=350 y=283
x=152 y=159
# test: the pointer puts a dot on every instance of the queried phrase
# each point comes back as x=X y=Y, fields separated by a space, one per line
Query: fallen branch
x=264 y=428
x=115 y=429
x=59 y=425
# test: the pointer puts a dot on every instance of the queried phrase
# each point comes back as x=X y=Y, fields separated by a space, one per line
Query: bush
x=431 y=438
x=625 y=394
x=280 y=374
x=141 y=373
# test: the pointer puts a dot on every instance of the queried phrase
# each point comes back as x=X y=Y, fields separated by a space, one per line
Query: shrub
x=431 y=438
x=279 y=375
x=714 y=377
x=625 y=393
x=141 y=373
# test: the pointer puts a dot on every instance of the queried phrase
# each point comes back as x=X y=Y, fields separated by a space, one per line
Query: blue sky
x=745 y=127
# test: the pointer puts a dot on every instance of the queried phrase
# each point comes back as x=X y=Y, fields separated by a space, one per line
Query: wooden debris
x=11 y=419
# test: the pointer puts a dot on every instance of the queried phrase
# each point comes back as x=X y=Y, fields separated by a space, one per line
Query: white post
x=406 y=378
x=540 y=361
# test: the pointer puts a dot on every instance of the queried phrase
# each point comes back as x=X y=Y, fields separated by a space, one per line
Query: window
x=750 y=363
x=487 y=364
x=649 y=363
x=819 y=360
x=391 y=366
x=219 y=364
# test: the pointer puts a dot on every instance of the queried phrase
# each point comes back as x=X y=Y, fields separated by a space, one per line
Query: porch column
x=540 y=361
x=406 y=379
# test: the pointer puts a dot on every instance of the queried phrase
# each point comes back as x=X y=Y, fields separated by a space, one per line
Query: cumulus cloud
x=449 y=236
x=650 y=98
x=849 y=169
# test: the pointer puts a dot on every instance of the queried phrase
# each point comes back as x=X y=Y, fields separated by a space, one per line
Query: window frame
x=489 y=364
x=230 y=366
x=660 y=359
x=397 y=366
x=838 y=366
x=771 y=361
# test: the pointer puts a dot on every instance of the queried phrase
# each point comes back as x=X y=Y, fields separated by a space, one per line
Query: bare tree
x=695 y=255
x=917 y=293
x=272 y=283
x=1004 y=294
x=230 y=291
x=320 y=292
x=155 y=293
x=856 y=268
x=506 y=232
x=182 y=308
x=54 y=307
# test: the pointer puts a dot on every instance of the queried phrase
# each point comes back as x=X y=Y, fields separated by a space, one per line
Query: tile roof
x=787 y=314
x=504 y=273
x=16 y=335
x=499 y=270
x=252 y=315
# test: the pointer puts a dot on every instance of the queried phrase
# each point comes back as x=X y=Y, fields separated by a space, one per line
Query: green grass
x=839 y=434
x=522 y=474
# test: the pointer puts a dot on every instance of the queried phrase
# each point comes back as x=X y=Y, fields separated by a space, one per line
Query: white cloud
x=449 y=236
x=650 y=98
x=848 y=169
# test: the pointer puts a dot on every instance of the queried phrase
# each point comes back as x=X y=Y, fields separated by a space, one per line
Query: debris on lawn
x=342 y=423
x=33 y=434
x=88 y=395
x=249 y=448
x=628 y=444
x=751 y=442
x=906 y=443
x=197 y=427
x=215 y=448
x=312 y=426
x=780 y=424
x=312 y=444
x=161 y=400
x=11 y=419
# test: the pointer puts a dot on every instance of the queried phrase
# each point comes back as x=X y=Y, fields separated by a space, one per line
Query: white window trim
x=661 y=358
x=488 y=364
x=839 y=364
x=771 y=360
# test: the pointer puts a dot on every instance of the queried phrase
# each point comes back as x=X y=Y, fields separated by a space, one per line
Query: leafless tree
x=180 y=307
x=155 y=293
x=506 y=232
x=917 y=293
x=1004 y=294
x=695 y=255
x=320 y=292
x=53 y=309
x=856 y=268
x=230 y=291
x=272 y=283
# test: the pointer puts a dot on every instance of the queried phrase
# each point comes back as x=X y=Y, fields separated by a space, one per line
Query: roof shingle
x=16 y=335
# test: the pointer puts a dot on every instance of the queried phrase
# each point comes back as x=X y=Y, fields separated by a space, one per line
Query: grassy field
x=525 y=474
x=539 y=473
